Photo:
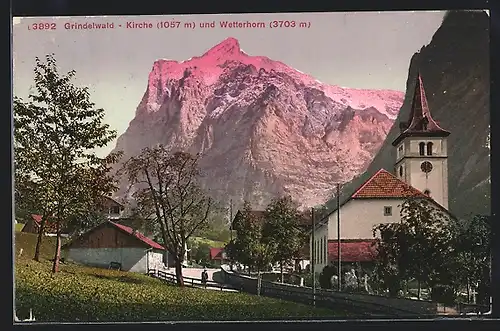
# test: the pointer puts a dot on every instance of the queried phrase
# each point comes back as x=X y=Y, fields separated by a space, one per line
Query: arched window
x=400 y=171
x=421 y=148
x=429 y=148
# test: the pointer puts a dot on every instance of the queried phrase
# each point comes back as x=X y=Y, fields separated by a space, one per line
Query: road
x=196 y=273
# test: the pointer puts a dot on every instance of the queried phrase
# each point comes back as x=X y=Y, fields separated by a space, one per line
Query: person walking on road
x=204 y=278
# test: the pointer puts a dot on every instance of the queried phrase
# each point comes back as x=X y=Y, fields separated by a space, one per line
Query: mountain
x=455 y=70
x=262 y=128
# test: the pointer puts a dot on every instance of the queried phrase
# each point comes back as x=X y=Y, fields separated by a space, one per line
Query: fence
x=463 y=309
x=363 y=304
x=189 y=281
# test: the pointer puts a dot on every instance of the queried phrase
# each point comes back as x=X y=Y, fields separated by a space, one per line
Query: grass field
x=211 y=243
x=80 y=293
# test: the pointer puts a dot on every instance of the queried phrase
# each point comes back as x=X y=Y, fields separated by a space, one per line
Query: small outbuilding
x=112 y=245
x=32 y=225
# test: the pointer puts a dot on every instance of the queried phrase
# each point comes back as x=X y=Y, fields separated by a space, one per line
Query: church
x=420 y=169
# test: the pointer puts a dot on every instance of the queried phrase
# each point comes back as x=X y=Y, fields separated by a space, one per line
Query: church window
x=421 y=148
x=429 y=148
x=400 y=171
x=387 y=211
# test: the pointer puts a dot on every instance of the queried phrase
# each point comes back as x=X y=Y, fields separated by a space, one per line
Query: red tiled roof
x=138 y=235
x=216 y=253
x=352 y=250
x=383 y=184
x=50 y=227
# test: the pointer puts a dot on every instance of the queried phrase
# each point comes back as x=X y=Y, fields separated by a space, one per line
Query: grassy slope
x=87 y=294
x=211 y=243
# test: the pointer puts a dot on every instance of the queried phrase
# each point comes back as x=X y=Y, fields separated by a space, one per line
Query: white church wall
x=358 y=217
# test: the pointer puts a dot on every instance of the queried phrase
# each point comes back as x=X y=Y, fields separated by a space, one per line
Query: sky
x=358 y=49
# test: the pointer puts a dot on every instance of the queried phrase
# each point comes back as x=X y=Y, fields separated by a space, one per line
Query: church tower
x=421 y=150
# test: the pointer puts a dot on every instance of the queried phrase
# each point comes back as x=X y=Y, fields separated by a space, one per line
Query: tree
x=55 y=134
x=200 y=253
x=251 y=247
x=471 y=247
x=425 y=227
x=282 y=230
x=167 y=192
x=414 y=248
x=389 y=265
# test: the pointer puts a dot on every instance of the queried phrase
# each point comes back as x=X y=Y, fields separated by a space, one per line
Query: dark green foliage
x=57 y=173
x=200 y=253
x=251 y=247
x=468 y=264
x=415 y=248
x=439 y=252
x=444 y=294
x=326 y=275
x=281 y=229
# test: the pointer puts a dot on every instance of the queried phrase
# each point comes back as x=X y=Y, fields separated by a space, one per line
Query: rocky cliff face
x=455 y=71
x=263 y=128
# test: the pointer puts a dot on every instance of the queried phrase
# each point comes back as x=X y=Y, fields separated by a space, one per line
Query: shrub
x=443 y=294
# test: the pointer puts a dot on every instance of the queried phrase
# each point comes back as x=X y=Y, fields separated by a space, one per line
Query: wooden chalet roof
x=125 y=229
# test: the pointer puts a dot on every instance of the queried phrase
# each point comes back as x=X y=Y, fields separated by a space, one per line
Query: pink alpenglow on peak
x=209 y=67
x=229 y=46
x=256 y=120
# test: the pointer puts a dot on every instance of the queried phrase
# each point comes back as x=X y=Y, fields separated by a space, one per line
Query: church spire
x=420 y=122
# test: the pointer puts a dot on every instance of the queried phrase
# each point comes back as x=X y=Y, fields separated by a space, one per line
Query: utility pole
x=231 y=229
x=313 y=256
x=339 y=278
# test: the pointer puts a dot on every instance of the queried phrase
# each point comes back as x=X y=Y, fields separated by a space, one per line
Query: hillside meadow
x=79 y=293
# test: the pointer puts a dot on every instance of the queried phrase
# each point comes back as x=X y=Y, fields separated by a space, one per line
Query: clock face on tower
x=426 y=167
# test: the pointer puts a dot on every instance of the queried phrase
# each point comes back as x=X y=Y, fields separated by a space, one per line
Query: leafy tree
x=200 y=252
x=55 y=134
x=389 y=267
x=167 y=193
x=251 y=247
x=414 y=248
x=282 y=230
x=470 y=255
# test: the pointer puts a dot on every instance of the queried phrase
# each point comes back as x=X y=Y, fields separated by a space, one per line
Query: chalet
x=218 y=256
x=50 y=229
x=421 y=171
x=112 y=208
x=111 y=243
